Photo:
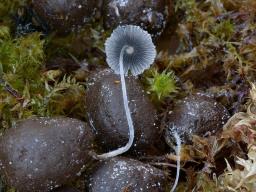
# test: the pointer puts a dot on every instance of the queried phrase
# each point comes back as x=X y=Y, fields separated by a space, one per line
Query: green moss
x=216 y=36
x=8 y=7
x=161 y=85
x=66 y=97
x=4 y=33
x=21 y=60
x=224 y=30
x=39 y=93
x=28 y=55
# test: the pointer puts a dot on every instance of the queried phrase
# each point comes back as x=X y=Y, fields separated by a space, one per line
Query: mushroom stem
x=177 y=150
x=127 y=113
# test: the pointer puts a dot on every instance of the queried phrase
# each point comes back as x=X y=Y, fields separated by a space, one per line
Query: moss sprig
x=161 y=85
x=22 y=59
x=66 y=97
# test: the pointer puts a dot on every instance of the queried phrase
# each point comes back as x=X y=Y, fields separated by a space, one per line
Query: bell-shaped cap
x=139 y=53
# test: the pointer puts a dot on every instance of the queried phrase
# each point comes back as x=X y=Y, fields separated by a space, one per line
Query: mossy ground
x=216 y=54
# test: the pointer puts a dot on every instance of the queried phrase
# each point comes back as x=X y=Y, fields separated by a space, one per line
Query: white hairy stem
x=125 y=148
x=177 y=150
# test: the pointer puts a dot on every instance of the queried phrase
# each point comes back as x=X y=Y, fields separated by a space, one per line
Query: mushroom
x=177 y=150
x=129 y=48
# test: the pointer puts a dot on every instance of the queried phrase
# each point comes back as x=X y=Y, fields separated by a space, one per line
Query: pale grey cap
x=139 y=55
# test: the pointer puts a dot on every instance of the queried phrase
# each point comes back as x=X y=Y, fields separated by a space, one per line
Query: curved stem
x=177 y=150
x=127 y=113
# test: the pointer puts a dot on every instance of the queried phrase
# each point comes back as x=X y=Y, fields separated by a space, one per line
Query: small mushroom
x=129 y=48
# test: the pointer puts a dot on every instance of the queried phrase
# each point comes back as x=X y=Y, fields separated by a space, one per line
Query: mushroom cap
x=139 y=54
